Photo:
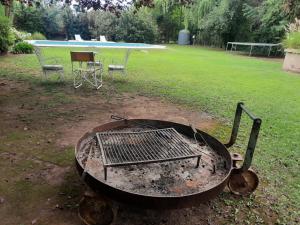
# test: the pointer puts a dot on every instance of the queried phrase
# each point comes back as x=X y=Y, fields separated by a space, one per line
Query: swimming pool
x=95 y=44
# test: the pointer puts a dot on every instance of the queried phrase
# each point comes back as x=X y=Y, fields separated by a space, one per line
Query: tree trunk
x=7 y=10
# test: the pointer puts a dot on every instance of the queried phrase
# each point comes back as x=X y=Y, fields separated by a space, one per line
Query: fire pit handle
x=118 y=118
x=253 y=135
x=114 y=117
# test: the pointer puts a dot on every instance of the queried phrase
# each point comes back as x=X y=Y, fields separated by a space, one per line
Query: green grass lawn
x=214 y=81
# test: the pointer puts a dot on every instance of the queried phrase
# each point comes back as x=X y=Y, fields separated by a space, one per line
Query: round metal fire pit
x=173 y=184
x=183 y=182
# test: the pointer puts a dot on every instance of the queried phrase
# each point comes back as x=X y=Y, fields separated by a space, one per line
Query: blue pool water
x=97 y=44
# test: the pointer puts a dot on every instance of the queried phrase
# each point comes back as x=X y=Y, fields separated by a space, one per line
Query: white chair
x=49 y=65
x=85 y=68
x=78 y=37
x=102 y=38
x=119 y=67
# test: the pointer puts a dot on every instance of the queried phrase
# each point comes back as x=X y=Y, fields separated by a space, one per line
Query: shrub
x=6 y=36
x=37 y=36
x=292 y=40
x=19 y=35
x=137 y=27
x=294 y=27
x=23 y=48
x=102 y=23
x=28 y=18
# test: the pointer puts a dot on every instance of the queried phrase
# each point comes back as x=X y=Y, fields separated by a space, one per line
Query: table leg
x=269 y=51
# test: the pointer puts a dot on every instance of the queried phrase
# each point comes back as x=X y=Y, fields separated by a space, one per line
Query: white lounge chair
x=78 y=37
x=102 y=38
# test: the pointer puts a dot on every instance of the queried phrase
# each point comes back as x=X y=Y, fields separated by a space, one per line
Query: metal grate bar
x=124 y=156
x=143 y=148
x=167 y=147
x=128 y=148
x=172 y=146
x=160 y=146
x=179 y=151
x=183 y=150
x=149 y=147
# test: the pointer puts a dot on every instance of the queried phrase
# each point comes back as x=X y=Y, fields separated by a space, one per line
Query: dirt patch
x=133 y=107
x=49 y=172
x=10 y=156
x=55 y=175
x=7 y=86
x=202 y=215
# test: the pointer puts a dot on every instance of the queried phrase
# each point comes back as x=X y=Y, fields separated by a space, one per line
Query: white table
x=235 y=44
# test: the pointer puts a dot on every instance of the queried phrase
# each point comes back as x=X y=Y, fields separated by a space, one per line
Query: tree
x=81 y=25
x=52 y=19
x=47 y=20
x=113 y=6
x=8 y=4
x=137 y=27
x=169 y=17
x=217 y=21
x=268 y=20
x=6 y=36
x=28 y=19
x=292 y=8
x=102 y=23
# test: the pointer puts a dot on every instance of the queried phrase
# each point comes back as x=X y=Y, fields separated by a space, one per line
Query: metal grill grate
x=128 y=148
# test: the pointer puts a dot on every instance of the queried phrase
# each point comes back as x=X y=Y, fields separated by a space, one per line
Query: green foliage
x=169 y=16
x=81 y=26
x=29 y=19
x=69 y=19
x=204 y=7
x=292 y=8
x=37 y=36
x=33 y=19
x=19 y=35
x=137 y=27
x=221 y=23
x=214 y=22
x=7 y=38
x=52 y=22
x=292 y=40
x=103 y=23
x=267 y=21
x=23 y=48
x=75 y=24
x=2 y=10
x=294 y=27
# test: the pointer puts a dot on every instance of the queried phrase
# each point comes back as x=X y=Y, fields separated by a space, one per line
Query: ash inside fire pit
x=171 y=178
